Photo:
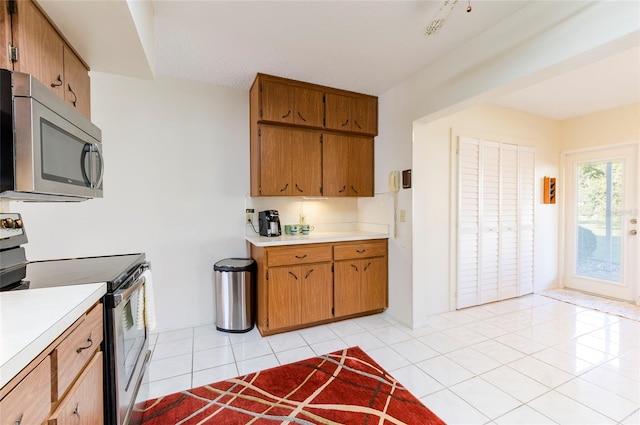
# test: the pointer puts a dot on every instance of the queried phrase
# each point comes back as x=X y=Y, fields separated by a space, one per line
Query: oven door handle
x=124 y=294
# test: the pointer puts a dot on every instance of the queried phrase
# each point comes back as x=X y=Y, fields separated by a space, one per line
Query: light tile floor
x=530 y=360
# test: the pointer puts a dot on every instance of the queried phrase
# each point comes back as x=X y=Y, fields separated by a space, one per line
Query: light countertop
x=32 y=319
x=315 y=237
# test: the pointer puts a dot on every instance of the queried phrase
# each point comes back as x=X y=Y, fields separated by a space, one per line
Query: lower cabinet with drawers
x=63 y=385
x=308 y=284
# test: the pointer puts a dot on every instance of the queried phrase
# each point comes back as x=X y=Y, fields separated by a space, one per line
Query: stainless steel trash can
x=235 y=294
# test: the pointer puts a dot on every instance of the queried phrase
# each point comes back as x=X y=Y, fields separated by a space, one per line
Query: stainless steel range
x=126 y=343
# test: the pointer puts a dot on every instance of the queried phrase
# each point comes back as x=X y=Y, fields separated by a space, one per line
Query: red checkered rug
x=343 y=387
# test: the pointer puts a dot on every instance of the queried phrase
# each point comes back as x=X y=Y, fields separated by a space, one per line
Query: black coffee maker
x=269 y=223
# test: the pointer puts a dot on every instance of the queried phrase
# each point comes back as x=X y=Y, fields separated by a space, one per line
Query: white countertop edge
x=263 y=241
x=71 y=303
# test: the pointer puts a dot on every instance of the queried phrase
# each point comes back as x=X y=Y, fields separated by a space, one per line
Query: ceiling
x=359 y=45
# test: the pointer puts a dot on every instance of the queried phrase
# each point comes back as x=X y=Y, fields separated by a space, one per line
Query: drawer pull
x=344 y=123
x=287 y=114
x=19 y=419
x=352 y=188
x=298 y=188
x=90 y=341
x=308 y=273
x=354 y=267
x=293 y=274
x=284 y=188
x=301 y=117
x=361 y=251
x=343 y=189
x=301 y=257
x=367 y=266
x=75 y=410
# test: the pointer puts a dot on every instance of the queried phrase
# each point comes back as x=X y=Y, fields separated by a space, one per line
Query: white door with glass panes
x=495 y=221
x=601 y=217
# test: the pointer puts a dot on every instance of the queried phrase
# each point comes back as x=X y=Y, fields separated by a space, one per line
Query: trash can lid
x=234 y=264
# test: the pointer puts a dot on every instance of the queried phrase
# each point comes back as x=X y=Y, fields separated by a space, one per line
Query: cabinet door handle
x=308 y=273
x=57 y=83
x=300 y=257
x=361 y=251
x=354 y=189
x=284 y=188
x=75 y=410
x=75 y=98
x=367 y=266
x=293 y=274
x=19 y=420
x=354 y=267
x=358 y=125
x=90 y=341
x=345 y=123
x=343 y=189
x=299 y=190
x=301 y=117
x=287 y=114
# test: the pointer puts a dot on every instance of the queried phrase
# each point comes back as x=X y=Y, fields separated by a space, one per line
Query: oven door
x=131 y=347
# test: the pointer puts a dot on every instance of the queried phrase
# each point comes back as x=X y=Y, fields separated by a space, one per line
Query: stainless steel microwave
x=48 y=150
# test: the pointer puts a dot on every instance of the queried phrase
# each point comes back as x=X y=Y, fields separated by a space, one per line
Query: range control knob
x=7 y=223
x=18 y=223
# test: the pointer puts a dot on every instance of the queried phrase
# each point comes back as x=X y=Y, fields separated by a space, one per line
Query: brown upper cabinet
x=347 y=165
x=42 y=52
x=356 y=114
x=290 y=122
x=284 y=103
x=292 y=162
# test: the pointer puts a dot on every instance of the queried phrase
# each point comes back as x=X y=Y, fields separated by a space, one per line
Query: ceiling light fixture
x=442 y=15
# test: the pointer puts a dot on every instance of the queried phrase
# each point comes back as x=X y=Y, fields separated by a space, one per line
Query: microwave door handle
x=86 y=149
x=99 y=158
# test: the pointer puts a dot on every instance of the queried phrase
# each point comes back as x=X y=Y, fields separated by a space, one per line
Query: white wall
x=436 y=189
x=177 y=168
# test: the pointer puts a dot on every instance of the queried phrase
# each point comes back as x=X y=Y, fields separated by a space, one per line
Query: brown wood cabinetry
x=308 y=284
x=43 y=53
x=63 y=384
x=290 y=104
x=357 y=114
x=84 y=403
x=30 y=401
x=295 y=162
x=346 y=165
x=292 y=107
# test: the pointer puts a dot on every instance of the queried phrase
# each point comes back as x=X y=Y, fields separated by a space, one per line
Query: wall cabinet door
x=299 y=294
x=347 y=165
x=5 y=34
x=356 y=114
x=290 y=162
x=77 y=91
x=40 y=48
x=289 y=104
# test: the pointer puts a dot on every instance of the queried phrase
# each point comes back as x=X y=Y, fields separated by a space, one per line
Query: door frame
x=567 y=209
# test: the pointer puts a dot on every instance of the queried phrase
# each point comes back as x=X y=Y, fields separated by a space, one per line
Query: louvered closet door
x=508 y=221
x=527 y=178
x=495 y=221
x=490 y=221
x=468 y=211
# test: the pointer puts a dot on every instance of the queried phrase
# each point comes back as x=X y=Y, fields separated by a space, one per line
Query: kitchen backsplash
x=328 y=214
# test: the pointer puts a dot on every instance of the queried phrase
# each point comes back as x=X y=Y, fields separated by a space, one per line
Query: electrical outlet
x=249 y=215
x=403 y=216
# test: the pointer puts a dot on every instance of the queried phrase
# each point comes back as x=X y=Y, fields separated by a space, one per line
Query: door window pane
x=599 y=207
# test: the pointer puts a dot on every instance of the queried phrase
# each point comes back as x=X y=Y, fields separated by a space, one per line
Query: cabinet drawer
x=75 y=351
x=298 y=254
x=360 y=249
x=83 y=405
x=30 y=401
